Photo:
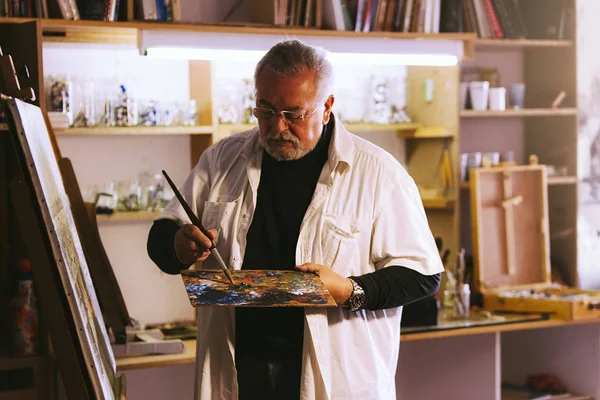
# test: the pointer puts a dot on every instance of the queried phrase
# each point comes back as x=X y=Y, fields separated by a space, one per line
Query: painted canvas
x=70 y=261
x=256 y=288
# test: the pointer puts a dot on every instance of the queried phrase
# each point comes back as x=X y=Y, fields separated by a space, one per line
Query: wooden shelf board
x=479 y=330
x=126 y=32
x=525 y=112
x=127 y=216
x=137 y=130
x=520 y=43
x=235 y=127
x=188 y=356
x=438 y=204
x=562 y=180
x=243 y=28
x=408 y=129
x=552 y=180
x=361 y=127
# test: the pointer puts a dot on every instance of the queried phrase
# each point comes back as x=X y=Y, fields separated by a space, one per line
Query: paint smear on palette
x=256 y=288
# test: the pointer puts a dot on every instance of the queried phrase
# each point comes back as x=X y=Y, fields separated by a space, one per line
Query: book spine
x=493 y=18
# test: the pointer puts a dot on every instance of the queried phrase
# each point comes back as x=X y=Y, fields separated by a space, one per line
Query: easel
x=57 y=313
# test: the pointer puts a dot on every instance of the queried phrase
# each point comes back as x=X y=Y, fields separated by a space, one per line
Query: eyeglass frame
x=283 y=115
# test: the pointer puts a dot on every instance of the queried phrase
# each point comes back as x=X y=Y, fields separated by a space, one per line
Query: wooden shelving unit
x=128 y=216
x=137 y=130
x=524 y=112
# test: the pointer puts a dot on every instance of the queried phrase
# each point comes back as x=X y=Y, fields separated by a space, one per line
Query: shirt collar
x=341 y=148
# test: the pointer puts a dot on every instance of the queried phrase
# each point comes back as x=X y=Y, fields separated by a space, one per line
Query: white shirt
x=365 y=214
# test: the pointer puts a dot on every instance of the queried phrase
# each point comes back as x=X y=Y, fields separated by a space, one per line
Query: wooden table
x=189 y=354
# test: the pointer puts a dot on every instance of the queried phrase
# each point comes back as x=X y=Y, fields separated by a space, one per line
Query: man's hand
x=191 y=245
x=339 y=287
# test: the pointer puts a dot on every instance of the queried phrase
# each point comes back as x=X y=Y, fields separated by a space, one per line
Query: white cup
x=517 y=95
x=498 y=99
x=479 y=92
x=463 y=91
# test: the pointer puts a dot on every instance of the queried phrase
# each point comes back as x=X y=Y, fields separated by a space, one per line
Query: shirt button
x=227 y=212
x=236 y=258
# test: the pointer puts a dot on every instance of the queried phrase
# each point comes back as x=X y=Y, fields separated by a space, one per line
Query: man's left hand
x=340 y=288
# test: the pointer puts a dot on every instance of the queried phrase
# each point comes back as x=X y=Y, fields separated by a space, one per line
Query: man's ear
x=328 y=105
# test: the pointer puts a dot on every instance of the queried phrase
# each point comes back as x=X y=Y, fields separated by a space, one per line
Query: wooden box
x=511 y=246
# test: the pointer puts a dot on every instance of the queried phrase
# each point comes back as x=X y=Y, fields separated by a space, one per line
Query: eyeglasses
x=292 y=117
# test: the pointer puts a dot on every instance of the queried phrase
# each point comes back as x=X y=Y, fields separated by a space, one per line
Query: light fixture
x=182 y=53
x=250 y=47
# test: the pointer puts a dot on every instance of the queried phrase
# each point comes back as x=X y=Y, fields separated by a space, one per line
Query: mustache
x=283 y=136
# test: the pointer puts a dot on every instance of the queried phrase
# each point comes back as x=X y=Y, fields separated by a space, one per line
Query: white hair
x=291 y=57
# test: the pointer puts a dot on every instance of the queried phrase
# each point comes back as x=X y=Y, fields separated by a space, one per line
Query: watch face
x=358 y=301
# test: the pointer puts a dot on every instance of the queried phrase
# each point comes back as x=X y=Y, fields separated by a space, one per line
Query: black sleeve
x=396 y=286
x=161 y=246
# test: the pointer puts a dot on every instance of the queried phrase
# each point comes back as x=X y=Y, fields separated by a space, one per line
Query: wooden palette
x=256 y=288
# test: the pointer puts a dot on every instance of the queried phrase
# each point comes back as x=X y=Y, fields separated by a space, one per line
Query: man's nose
x=279 y=122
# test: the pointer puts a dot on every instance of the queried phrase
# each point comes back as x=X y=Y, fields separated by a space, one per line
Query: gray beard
x=287 y=154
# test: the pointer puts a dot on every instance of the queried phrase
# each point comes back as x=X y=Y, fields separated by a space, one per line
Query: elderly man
x=302 y=192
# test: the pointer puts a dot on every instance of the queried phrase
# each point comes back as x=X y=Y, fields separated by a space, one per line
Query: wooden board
x=35 y=150
x=256 y=288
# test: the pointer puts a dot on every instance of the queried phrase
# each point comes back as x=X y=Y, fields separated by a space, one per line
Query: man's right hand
x=191 y=245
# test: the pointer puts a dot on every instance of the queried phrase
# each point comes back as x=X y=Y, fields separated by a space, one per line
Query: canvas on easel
x=65 y=252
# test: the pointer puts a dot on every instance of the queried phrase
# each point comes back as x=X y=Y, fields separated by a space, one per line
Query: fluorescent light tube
x=191 y=53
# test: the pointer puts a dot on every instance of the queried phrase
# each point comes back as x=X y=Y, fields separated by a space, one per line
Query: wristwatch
x=357 y=298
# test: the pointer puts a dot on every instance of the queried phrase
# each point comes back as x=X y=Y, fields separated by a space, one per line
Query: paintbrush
x=213 y=249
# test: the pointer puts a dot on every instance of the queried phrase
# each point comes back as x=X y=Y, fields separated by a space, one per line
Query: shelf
x=126 y=32
x=406 y=130
x=552 y=180
x=128 y=216
x=525 y=112
x=521 y=43
x=438 y=204
x=92 y=31
x=562 y=180
x=3 y=127
x=406 y=127
x=137 y=130
x=188 y=356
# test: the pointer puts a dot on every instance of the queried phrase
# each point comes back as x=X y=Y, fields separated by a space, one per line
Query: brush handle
x=188 y=210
